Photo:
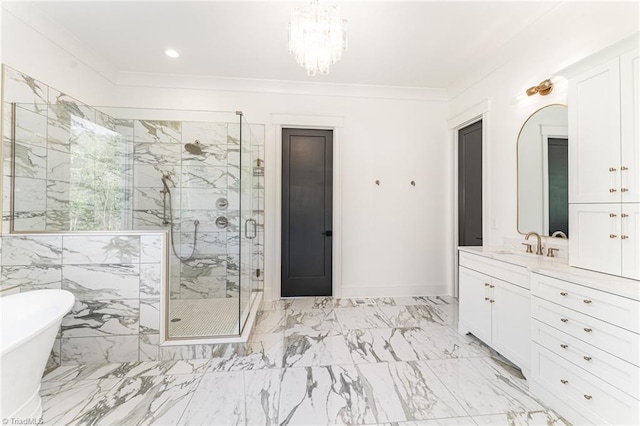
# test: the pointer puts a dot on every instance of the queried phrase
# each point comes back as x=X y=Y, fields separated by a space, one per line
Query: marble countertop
x=560 y=269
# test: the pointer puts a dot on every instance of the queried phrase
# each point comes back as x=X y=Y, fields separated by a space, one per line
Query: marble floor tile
x=143 y=401
x=261 y=352
x=452 y=421
x=427 y=315
x=361 y=318
x=484 y=386
x=63 y=402
x=443 y=343
x=541 y=418
x=399 y=391
x=323 y=395
x=313 y=319
x=400 y=316
x=315 y=348
x=218 y=400
x=262 y=396
x=379 y=345
x=270 y=321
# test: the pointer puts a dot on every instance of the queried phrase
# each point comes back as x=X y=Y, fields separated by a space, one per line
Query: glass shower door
x=248 y=226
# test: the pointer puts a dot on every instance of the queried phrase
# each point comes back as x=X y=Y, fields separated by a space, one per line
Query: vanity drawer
x=619 y=373
x=608 y=307
x=596 y=399
x=504 y=271
x=614 y=340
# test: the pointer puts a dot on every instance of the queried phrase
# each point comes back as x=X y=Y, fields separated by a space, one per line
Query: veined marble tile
x=30 y=194
x=63 y=402
x=34 y=277
x=451 y=421
x=428 y=315
x=379 y=345
x=101 y=249
x=149 y=347
x=323 y=395
x=149 y=316
x=233 y=133
x=400 y=316
x=59 y=196
x=102 y=282
x=101 y=318
x=28 y=92
x=186 y=352
x=309 y=320
x=54 y=357
x=153 y=153
x=263 y=351
x=58 y=165
x=153 y=199
x=205 y=132
x=206 y=242
x=401 y=391
x=219 y=399
x=31 y=250
x=443 y=343
x=80 y=372
x=270 y=322
x=541 y=418
x=262 y=396
x=30 y=161
x=361 y=318
x=157 y=131
x=25 y=221
x=200 y=198
x=144 y=400
x=151 y=249
x=150 y=220
x=203 y=287
x=150 y=274
x=484 y=387
x=96 y=350
x=149 y=175
x=315 y=348
x=31 y=127
x=204 y=176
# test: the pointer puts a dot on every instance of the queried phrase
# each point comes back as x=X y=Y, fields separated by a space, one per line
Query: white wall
x=393 y=234
x=567 y=35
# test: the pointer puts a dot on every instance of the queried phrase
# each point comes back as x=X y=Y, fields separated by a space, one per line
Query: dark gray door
x=470 y=185
x=307 y=193
x=558 y=160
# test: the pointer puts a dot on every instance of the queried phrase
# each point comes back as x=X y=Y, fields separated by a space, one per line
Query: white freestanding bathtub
x=30 y=323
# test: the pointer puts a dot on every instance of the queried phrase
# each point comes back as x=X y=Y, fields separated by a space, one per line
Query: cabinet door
x=630 y=126
x=630 y=238
x=594 y=135
x=595 y=237
x=475 y=308
x=511 y=328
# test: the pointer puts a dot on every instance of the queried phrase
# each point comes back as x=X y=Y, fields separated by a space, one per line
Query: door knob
x=327 y=233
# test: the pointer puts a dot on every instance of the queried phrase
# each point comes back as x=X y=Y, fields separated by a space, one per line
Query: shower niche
x=78 y=168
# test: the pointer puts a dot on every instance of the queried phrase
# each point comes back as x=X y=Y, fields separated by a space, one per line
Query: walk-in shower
x=198 y=175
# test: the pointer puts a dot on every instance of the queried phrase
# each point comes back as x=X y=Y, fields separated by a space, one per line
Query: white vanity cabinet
x=494 y=306
x=585 y=351
x=604 y=161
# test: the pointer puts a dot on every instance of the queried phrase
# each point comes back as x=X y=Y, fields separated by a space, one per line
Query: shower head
x=193 y=148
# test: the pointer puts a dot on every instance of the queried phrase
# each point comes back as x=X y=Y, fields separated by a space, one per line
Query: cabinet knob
x=564 y=320
x=623 y=168
x=587 y=358
x=624 y=189
x=587 y=301
x=612 y=190
x=563 y=293
x=624 y=237
x=612 y=169
x=624 y=215
x=491 y=301
x=564 y=346
x=492 y=286
x=613 y=236
x=486 y=298
x=563 y=381
x=612 y=215
x=587 y=396
x=588 y=330
x=486 y=284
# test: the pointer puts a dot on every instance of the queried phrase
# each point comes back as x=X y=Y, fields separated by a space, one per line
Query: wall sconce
x=543 y=89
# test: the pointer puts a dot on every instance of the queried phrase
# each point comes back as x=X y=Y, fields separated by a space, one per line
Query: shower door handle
x=246 y=229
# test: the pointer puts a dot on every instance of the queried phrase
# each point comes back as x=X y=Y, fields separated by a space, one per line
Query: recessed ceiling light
x=171 y=53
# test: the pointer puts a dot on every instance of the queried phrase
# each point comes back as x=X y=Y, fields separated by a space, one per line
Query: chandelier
x=317 y=37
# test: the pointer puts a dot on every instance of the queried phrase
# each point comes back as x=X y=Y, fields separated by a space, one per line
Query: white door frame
x=335 y=123
x=470 y=116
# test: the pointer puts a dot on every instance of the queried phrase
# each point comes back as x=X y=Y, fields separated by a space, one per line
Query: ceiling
x=417 y=44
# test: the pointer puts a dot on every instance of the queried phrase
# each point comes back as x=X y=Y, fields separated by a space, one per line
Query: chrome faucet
x=538 y=247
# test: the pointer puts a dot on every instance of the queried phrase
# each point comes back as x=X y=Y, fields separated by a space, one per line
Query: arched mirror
x=543 y=180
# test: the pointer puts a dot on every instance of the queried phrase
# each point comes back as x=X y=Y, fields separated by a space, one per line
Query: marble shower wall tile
x=151 y=248
x=99 y=350
x=33 y=277
x=102 y=282
x=150 y=280
x=155 y=131
x=98 y=249
x=102 y=318
x=35 y=250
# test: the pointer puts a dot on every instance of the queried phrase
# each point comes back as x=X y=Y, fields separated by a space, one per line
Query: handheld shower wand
x=166 y=192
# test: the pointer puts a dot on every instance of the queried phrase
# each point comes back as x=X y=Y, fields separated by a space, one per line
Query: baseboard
x=393 y=291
